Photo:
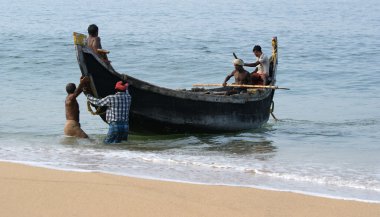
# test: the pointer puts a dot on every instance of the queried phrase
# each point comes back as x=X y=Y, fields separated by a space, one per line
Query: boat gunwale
x=196 y=96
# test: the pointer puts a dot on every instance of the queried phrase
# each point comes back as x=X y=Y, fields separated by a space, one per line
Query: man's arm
x=97 y=44
x=252 y=64
x=228 y=78
x=78 y=91
x=99 y=102
x=103 y=55
x=83 y=82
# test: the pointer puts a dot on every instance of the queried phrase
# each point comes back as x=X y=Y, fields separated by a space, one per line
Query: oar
x=235 y=56
x=241 y=85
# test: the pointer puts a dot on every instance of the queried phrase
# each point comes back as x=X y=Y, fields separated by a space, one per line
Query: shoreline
x=49 y=192
x=34 y=164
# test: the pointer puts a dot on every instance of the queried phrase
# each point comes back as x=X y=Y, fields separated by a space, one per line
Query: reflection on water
x=244 y=147
x=94 y=140
x=69 y=140
x=255 y=144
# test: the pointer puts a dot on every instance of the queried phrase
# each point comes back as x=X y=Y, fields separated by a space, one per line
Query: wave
x=354 y=182
x=345 y=128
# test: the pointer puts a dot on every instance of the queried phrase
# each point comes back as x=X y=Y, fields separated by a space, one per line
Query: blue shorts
x=117 y=132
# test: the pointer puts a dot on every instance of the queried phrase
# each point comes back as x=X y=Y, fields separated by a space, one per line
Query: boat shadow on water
x=256 y=143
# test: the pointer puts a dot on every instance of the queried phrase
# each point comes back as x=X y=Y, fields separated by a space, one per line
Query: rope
x=272 y=110
x=98 y=110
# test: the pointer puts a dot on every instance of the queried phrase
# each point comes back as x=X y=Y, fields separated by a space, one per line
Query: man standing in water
x=117 y=113
x=72 y=126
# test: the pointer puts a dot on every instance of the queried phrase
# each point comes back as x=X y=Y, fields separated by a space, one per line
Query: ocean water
x=325 y=143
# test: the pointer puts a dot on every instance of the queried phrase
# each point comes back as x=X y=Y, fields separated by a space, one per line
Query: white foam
x=44 y=165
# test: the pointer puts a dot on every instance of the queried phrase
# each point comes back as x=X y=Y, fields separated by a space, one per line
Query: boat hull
x=162 y=110
x=158 y=113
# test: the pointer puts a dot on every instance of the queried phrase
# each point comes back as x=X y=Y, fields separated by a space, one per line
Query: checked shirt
x=118 y=106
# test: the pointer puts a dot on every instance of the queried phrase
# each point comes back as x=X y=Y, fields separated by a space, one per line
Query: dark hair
x=70 y=88
x=92 y=29
x=256 y=48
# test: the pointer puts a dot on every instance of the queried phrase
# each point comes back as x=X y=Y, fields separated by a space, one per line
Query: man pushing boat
x=117 y=113
x=72 y=126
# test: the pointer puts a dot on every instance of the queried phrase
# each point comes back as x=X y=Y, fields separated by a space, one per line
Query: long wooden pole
x=241 y=85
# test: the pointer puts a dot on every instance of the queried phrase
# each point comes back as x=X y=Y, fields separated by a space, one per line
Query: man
x=260 y=74
x=72 y=126
x=93 y=42
x=117 y=113
x=240 y=74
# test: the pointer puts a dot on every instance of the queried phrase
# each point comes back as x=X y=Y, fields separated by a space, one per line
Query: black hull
x=162 y=110
x=159 y=113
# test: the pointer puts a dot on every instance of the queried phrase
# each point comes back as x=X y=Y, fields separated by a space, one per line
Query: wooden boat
x=159 y=109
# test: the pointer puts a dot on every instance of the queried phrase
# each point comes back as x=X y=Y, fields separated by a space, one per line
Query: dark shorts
x=117 y=132
x=257 y=79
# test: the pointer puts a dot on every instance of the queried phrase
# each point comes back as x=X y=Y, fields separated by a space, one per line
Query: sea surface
x=327 y=139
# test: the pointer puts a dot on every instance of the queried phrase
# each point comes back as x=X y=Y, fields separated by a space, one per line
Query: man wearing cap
x=260 y=74
x=240 y=74
x=117 y=113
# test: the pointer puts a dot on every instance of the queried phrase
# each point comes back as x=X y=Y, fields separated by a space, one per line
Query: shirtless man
x=72 y=126
x=93 y=42
x=240 y=74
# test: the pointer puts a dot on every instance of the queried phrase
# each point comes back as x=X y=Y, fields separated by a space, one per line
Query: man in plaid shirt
x=117 y=112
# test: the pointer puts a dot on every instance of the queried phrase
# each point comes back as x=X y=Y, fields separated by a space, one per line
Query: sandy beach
x=32 y=191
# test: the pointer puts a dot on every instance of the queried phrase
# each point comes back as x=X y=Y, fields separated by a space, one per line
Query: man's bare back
x=94 y=43
x=72 y=108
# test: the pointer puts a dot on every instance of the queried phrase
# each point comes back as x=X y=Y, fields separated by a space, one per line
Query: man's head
x=93 y=30
x=70 y=88
x=257 y=50
x=238 y=63
x=121 y=86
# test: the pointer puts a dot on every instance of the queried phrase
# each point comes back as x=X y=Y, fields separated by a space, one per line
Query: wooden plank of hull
x=158 y=109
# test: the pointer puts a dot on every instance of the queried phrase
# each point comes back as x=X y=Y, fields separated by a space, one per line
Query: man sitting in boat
x=241 y=77
x=93 y=42
x=117 y=113
x=240 y=74
x=72 y=126
x=260 y=74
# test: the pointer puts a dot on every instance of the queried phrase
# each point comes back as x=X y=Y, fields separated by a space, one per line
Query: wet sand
x=32 y=191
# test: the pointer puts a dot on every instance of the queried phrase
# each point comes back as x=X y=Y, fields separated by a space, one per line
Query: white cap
x=238 y=62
